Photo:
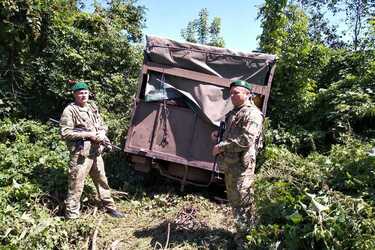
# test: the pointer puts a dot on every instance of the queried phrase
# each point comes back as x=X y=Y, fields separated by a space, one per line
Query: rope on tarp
x=164 y=115
x=266 y=64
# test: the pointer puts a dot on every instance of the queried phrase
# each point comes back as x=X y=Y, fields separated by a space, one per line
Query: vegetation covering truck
x=182 y=96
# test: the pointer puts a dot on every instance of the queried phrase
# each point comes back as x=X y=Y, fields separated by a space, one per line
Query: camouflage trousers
x=239 y=184
x=79 y=167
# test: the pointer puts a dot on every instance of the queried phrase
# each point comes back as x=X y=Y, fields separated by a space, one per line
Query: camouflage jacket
x=243 y=126
x=74 y=121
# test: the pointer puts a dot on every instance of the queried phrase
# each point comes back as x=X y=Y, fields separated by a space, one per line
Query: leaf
x=316 y=205
x=27 y=218
x=296 y=218
x=42 y=226
x=42 y=160
x=15 y=184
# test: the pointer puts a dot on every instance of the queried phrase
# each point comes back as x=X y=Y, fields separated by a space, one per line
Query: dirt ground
x=161 y=217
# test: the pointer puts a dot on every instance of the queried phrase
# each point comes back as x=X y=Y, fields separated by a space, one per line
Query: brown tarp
x=226 y=63
x=212 y=101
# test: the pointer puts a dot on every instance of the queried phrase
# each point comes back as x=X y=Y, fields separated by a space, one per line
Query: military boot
x=115 y=213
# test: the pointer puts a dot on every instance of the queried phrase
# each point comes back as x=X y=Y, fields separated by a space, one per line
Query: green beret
x=241 y=83
x=79 y=86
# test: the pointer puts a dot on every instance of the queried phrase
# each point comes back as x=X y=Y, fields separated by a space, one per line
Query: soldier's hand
x=216 y=150
x=107 y=144
x=108 y=147
x=215 y=135
x=100 y=136
x=89 y=135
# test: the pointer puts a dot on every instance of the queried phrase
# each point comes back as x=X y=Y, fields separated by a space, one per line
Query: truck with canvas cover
x=182 y=96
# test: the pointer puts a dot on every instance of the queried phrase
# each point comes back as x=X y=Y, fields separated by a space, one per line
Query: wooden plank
x=267 y=95
x=188 y=74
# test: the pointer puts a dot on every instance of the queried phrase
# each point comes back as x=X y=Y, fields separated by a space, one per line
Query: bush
x=317 y=202
x=32 y=186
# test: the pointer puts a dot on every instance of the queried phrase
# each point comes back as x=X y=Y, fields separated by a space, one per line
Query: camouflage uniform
x=239 y=145
x=85 y=156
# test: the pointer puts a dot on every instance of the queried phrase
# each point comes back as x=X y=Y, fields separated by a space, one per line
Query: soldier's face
x=239 y=95
x=81 y=97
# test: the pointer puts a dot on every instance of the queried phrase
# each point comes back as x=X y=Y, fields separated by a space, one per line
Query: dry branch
x=92 y=246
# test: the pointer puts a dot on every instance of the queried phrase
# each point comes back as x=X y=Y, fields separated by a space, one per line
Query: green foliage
x=352 y=170
x=200 y=31
x=41 y=47
x=274 y=21
x=22 y=35
x=315 y=183
x=345 y=102
x=32 y=186
x=69 y=44
x=354 y=14
x=297 y=139
x=300 y=61
x=318 y=202
x=322 y=91
x=314 y=188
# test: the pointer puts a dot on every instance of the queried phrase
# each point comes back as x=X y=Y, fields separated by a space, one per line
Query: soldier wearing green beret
x=237 y=154
x=84 y=132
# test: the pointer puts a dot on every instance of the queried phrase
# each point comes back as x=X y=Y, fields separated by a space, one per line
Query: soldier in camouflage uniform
x=237 y=152
x=84 y=132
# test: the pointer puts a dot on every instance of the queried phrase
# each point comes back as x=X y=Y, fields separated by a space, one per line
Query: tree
x=274 y=21
x=356 y=15
x=43 y=46
x=200 y=31
x=22 y=34
x=215 y=38
x=189 y=34
x=358 y=12
x=316 y=86
x=300 y=61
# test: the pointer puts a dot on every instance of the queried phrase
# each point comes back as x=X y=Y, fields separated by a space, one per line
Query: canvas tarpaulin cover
x=212 y=101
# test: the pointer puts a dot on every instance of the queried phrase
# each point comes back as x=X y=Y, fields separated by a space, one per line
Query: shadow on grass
x=53 y=182
x=54 y=185
x=201 y=238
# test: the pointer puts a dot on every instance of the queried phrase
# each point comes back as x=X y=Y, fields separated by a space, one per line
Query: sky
x=240 y=28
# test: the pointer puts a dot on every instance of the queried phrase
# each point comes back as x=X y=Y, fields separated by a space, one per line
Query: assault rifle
x=106 y=143
x=218 y=140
